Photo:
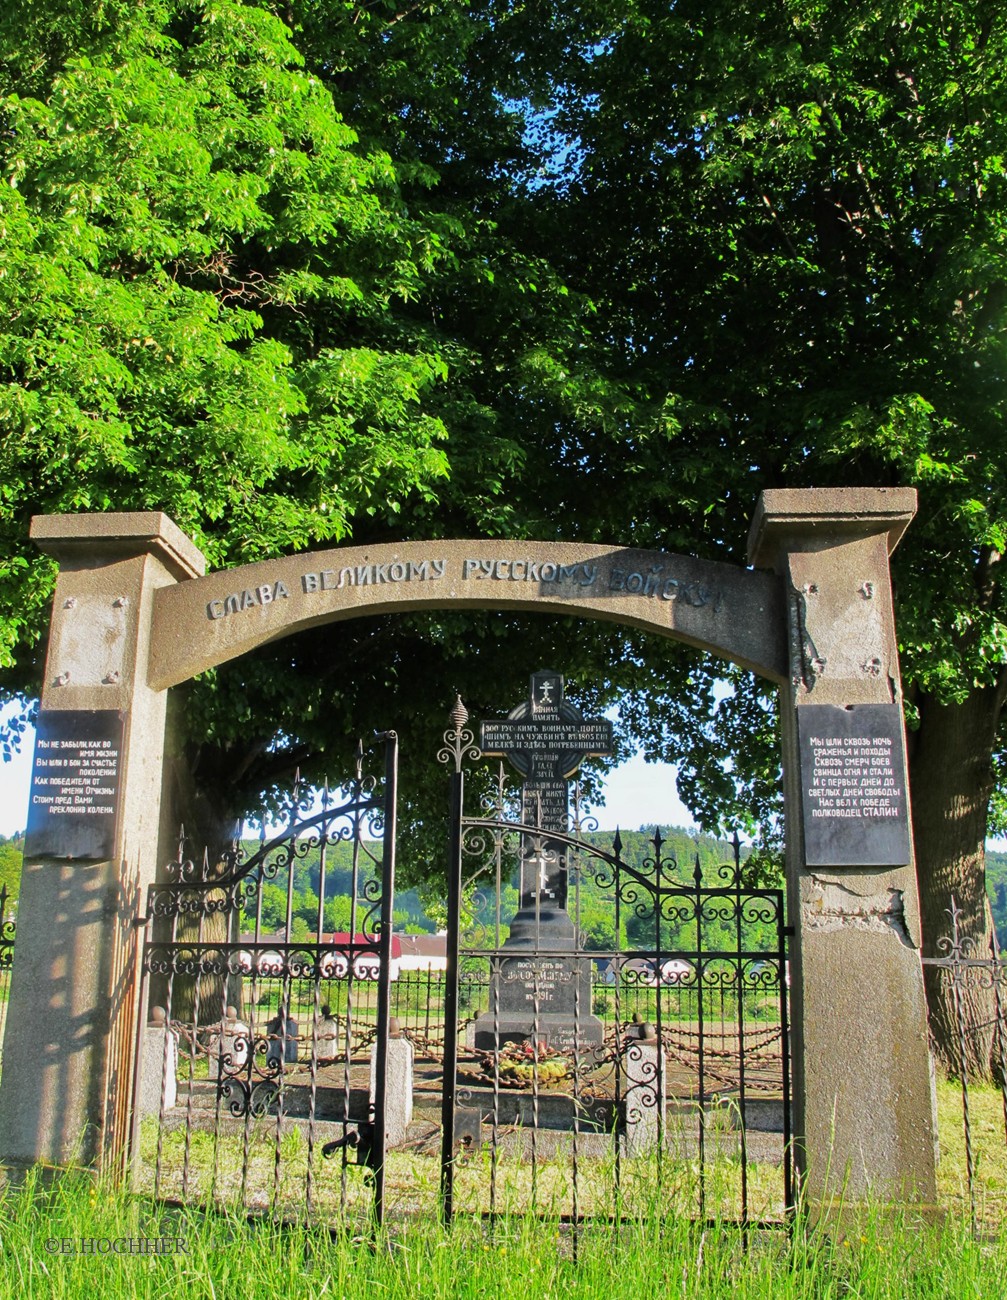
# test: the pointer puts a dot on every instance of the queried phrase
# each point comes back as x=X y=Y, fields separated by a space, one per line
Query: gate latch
x=467 y=1130
x=359 y=1140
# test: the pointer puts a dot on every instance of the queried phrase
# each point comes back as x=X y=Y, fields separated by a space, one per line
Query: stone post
x=863 y=1117
x=398 y=1085
x=644 y=1087
x=158 y=1066
x=70 y=1042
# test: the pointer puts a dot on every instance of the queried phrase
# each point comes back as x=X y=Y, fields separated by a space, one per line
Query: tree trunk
x=199 y=807
x=951 y=778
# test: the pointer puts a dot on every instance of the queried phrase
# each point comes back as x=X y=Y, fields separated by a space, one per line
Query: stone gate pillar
x=863 y=1121
x=68 y=1063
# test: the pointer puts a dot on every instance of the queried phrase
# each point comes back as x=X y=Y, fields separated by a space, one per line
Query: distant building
x=410 y=952
x=423 y=951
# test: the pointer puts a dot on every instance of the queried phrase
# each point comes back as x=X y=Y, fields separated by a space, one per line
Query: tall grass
x=228 y=1258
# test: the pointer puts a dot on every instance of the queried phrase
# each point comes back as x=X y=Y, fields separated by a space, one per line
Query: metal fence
x=970 y=981
x=417 y=1003
x=7 y=928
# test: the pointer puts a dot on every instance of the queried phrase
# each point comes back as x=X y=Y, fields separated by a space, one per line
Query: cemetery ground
x=65 y=1238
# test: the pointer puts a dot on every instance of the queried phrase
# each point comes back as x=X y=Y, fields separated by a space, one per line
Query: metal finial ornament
x=458 y=740
x=459 y=715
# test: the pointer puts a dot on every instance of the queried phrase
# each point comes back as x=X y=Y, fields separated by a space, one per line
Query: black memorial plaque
x=546 y=748
x=853 y=786
x=75 y=785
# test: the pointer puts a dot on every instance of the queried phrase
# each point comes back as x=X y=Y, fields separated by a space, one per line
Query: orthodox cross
x=546 y=739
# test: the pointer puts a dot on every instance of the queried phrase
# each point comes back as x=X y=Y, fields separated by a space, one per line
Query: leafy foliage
x=198 y=263
x=10 y=870
x=591 y=270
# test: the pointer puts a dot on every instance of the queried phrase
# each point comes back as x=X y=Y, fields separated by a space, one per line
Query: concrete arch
x=735 y=613
x=133 y=615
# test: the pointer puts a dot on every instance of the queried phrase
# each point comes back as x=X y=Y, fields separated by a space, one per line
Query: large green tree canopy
x=579 y=270
x=795 y=226
x=198 y=270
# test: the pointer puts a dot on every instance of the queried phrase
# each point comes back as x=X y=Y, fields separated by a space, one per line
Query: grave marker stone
x=545 y=992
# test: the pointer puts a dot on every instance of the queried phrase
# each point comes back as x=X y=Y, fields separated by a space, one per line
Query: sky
x=637 y=794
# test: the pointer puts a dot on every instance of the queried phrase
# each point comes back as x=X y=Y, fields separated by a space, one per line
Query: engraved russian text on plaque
x=74 y=797
x=853 y=785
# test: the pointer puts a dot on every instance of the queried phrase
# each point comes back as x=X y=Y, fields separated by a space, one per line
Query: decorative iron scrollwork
x=459 y=741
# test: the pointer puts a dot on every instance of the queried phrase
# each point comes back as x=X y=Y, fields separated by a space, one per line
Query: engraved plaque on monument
x=75 y=785
x=853 y=785
x=543 y=990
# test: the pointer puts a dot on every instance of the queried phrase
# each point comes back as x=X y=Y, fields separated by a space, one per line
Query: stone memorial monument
x=542 y=991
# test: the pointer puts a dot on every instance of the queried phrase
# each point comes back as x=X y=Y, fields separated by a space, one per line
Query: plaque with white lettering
x=74 y=797
x=853 y=786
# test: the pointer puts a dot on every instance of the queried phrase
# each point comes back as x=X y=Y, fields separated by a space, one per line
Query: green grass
x=989 y=1149
x=227 y=1257
x=412 y=1179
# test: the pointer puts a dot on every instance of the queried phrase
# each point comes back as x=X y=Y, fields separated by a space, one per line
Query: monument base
x=560 y=1031
x=540 y=987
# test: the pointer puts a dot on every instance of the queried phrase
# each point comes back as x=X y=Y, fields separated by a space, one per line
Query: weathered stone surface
x=863 y=1118
x=229 y=1046
x=732 y=612
x=547 y=999
x=158 y=1068
x=398 y=1088
x=793 y=518
x=71 y=1016
x=67 y=537
x=644 y=1105
x=541 y=992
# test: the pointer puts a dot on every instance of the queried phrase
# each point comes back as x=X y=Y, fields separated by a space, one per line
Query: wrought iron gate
x=649 y=1074
x=267 y=1044
x=8 y=928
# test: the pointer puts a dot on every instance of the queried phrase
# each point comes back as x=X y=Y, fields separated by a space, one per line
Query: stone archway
x=133 y=614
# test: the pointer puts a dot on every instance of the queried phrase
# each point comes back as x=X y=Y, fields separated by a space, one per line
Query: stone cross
x=546 y=739
x=539 y=987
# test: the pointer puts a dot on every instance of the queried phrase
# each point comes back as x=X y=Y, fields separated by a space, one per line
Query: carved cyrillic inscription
x=373 y=575
x=658 y=583
x=250 y=598
x=74 y=785
x=587 y=578
x=853 y=785
x=582 y=575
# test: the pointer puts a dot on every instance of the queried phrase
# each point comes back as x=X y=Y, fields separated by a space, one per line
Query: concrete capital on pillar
x=807 y=519
x=76 y=540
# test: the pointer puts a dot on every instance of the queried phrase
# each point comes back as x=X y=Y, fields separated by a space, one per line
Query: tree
x=586 y=270
x=176 y=206
x=220 y=301
x=793 y=223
